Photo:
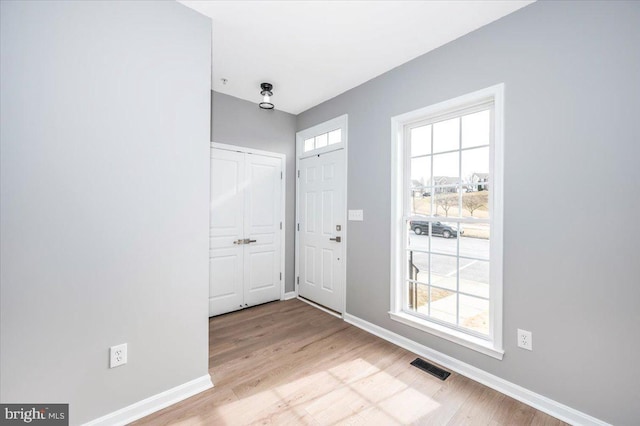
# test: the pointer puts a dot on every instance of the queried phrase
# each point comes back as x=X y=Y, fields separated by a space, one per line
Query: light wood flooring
x=287 y=363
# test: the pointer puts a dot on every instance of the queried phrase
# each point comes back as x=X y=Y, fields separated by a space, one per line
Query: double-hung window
x=447 y=220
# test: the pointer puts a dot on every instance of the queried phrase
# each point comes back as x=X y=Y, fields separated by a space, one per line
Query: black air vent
x=430 y=368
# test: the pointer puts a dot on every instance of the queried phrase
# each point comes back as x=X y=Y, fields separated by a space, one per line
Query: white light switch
x=356 y=215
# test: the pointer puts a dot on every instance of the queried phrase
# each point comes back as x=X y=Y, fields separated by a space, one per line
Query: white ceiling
x=312 y=51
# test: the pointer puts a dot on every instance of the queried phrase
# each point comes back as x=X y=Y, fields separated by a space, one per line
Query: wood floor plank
x=288 y=363
x=543 y=419
x=445 y=403
x=479 y=408
x=512 y=412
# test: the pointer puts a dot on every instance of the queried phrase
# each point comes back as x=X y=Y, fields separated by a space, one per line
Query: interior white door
x=226 y=259
x=321 y=237
x=246 y=231
x=262 y=228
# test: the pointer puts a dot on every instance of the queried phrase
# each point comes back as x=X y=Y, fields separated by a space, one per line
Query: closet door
x=246 y=233
x=262 y=218
x=226 y=257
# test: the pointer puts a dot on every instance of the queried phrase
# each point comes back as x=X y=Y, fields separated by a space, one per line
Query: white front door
x=245 y=234
x=322 y=223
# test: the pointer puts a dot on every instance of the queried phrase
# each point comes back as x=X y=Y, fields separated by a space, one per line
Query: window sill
x=483 y=346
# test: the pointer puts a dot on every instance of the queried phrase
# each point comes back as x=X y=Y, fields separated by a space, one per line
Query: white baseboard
x=542 y=403
x=290 y=295
x=154 y=403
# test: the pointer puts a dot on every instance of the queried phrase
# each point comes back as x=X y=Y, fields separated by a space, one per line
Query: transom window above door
x=324 y=137
x=333 y=137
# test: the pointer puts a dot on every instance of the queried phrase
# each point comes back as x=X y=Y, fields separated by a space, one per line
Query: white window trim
x=494 y=346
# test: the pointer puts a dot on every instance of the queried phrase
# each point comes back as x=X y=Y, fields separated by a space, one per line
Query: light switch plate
x=356 y=215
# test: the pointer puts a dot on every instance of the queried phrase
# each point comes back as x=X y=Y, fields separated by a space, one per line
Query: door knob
x=336 y=239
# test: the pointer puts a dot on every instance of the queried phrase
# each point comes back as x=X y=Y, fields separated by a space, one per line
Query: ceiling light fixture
x=266 y=93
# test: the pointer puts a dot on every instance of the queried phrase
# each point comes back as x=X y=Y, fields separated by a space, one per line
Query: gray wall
x=105 y=187
x=572 y=185
x=239 y=122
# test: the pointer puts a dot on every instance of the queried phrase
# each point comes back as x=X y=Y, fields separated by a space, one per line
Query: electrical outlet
x=117 y=355
x=525 y=340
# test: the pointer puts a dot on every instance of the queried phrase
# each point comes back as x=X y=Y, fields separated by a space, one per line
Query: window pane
x=321 y=140
x=443 y=305
x=417 y=235
x=421 y=140
x=474 y=277
x=420 y=172
x=475 y=204
x=444 y=271
x=446 y=169
x=475 y=129
x=420 y=175
x=475 y=167
x=444 y=238
x=446 y=135
x=418 y=297
x=420 y=204
x=335 y=136
x=308 y=145
x=418 y=266
x=474 y=314
x=474 y=241
x=446 y=202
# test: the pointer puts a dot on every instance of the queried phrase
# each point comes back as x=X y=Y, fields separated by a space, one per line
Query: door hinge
x=298 y=280
x=298 y=227
x=298 y=173
x=280 y=175
x=280 y=225
x=280 y=276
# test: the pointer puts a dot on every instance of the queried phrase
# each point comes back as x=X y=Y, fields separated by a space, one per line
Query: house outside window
x=447 y=167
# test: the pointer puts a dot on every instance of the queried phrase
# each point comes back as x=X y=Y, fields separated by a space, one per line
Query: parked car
x=438 y=228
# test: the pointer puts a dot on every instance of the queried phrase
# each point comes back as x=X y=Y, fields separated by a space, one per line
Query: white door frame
x=283 y=196
x=327 y=126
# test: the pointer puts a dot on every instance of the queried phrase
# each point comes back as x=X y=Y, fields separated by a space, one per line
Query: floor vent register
x=430 y=368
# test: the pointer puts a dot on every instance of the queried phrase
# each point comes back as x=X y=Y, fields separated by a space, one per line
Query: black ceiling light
x=266 y=93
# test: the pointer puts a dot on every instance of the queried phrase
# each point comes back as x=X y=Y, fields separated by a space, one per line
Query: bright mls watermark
x=34 y=414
